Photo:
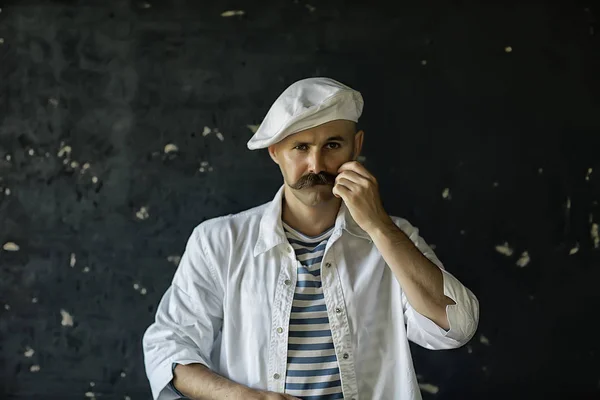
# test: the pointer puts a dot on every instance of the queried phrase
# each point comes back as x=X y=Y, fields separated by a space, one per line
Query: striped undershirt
x=312 y=367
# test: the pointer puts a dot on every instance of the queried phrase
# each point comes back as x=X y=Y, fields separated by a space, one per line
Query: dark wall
x=92 y=92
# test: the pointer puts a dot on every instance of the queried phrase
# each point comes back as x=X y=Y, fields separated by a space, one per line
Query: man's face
x=309 y=159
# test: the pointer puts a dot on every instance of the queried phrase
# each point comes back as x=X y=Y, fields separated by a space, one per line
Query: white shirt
x=229 y=306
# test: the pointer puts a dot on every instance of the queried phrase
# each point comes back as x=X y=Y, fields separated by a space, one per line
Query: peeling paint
x=524 y=260
x=174 y=259
x=484 y=340
x=73 y=260
x=171 y=148
x=34 y=368
x=11 y=246
x=574 y=250
x=220 y=136
x=232 y=13
x=67 y=319
x=64 y=150
x=504 y=249
x=142 y=214
x=446 y=194
x=429 y=388
x=29 y=352
x=206 y=131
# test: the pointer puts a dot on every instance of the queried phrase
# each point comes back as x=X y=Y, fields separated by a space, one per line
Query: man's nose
x=316 y=162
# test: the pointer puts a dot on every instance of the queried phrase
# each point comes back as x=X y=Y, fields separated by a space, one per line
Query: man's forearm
x=420 y=279
x=199 y=383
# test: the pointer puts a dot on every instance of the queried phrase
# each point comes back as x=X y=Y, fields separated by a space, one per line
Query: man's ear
x=273 y=153
x=358 y=142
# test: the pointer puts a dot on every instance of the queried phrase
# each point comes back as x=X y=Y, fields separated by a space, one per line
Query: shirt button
x=276 y=376
x=280 y=330
x=328 y=265
x=289 y=249
x=338 y=310
x=345 y=356
x=287 y=282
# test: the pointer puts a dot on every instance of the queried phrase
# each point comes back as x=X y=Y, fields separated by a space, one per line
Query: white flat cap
x=305 y=104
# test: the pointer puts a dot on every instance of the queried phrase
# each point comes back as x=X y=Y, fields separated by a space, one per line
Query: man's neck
x=311 y=221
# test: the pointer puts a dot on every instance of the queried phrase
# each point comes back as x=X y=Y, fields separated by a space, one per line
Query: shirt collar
x=271 y=231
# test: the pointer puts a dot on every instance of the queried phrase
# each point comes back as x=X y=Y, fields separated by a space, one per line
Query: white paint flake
x=74 y=164
x=220 y=136
x=8 y=157
x=524 y=260
x=508 y=49
x=174 y=259
x=86 y=269
x=504 y=249
x=1 y=40
x=11 y=246
x=589 y=172
x=232 y=13
x=92 y=384
x=595 y=236
x=429 y=388
x=29 y=352
x=423 y=62
x=143 y=291
x=53 y=101
x=142 y=214
x=7 y=192
x=253 y=128
x=136 y=286
x=85 y=167
x=67 y=319
x=94 y=179
x=206 y=131
x=34 y=300
x=73 y=260
x=123 y=374
x=64 y=150
x=7 y=307
x=484 y=340
x=34 y=368
x=31 y=152
x=446 y=194
x=90 y=395
x=127 y=398
x=574 y=250
x=171 y=148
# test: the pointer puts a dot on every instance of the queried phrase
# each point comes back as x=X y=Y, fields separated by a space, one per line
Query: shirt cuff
x=173 y=388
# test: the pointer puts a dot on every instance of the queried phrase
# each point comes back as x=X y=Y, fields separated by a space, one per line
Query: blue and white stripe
x=312 y=367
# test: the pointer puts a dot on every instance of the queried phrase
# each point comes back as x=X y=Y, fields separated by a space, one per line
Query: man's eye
x=333 y=145
x=301 y=147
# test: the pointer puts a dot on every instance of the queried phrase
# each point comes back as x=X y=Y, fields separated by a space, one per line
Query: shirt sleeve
x=463 y=316
x=188 y=319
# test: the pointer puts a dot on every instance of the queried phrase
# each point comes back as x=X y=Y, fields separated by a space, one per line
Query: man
x=315 y=294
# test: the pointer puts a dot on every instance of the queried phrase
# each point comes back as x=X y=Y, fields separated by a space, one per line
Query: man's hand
x=360 y=192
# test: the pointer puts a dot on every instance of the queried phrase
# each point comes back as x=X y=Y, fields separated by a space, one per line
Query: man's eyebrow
x=329 y=139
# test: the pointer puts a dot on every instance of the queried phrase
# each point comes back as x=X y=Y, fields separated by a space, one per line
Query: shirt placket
x=280 y=320
x=338 y=321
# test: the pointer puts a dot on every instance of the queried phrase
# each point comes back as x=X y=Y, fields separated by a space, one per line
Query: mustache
x=310 y=180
